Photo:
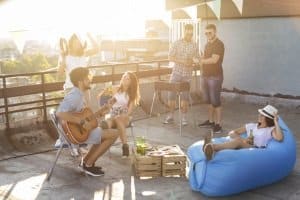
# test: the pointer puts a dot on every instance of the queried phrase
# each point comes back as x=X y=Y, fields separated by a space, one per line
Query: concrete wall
x=261 y=54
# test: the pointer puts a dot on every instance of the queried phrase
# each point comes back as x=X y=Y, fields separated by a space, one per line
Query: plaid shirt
x=182 y=49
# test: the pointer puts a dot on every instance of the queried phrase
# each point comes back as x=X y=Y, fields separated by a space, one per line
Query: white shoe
x=74 y=152
x=184 y=122
x=58 y=143
x=169 y=120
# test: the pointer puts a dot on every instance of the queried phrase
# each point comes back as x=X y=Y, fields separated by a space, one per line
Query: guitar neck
x=102 y=110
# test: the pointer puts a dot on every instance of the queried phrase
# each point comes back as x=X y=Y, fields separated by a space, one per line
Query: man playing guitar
x=73 y=103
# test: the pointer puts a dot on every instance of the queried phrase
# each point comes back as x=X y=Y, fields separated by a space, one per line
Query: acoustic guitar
x=76 y=133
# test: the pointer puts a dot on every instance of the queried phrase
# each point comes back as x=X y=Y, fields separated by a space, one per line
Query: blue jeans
x=211 y=89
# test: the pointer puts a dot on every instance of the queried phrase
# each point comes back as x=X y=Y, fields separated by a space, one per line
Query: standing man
x=212 y=78
x=182 y=54
x=74 y=101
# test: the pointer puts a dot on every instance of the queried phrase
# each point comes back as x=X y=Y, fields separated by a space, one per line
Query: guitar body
x=76 y=133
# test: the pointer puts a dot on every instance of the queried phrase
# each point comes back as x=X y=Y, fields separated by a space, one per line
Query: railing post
x=137 y=69
x=158 y=67
x=5 y=103
x=113 y=73
x=44 y=97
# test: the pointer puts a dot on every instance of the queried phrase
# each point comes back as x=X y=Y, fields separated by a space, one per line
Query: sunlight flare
x=25 y=189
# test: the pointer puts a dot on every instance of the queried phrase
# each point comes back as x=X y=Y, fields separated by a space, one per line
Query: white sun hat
x=268 y=111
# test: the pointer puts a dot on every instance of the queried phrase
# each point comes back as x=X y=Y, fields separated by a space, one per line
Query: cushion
x=235 y=171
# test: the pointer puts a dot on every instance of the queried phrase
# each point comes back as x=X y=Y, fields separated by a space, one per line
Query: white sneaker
x=58 y=143
x=169 y=120
x=74 y=151
x=184 y=121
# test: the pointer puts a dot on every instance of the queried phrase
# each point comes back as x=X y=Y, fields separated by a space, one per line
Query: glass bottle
x=251 y=137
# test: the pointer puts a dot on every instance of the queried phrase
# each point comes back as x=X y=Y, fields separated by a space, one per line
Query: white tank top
x=261 y=135
x=121 y=100
x=73 y=62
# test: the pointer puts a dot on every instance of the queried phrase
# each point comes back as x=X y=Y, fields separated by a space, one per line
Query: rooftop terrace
x=23 y=177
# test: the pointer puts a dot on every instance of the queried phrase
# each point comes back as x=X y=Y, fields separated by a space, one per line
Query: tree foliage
x=28 y=64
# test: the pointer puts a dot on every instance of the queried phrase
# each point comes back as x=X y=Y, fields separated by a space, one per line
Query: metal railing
x=43 y=87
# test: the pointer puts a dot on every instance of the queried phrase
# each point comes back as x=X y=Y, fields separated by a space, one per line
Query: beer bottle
x=251 y=137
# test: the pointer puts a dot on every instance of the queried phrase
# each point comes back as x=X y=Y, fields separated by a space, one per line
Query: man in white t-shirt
x=258 y=134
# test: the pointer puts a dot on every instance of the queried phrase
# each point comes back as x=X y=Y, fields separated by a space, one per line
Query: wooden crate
x=146 y=166
x=174 y=165
x=166 y=165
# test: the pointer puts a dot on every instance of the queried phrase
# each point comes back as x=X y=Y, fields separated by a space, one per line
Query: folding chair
x=64 y=141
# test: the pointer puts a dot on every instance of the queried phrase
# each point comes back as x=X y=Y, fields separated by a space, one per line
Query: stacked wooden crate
x=173 y=164
x=146 y=166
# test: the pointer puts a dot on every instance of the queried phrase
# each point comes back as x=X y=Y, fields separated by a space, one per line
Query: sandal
x=207 y=139
x=209 y=151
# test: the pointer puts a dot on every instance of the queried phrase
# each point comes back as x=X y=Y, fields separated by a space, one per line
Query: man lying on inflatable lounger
x=258 y=134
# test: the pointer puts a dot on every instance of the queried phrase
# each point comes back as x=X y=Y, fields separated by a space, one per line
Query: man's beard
x=87 y=87
x=212 y=38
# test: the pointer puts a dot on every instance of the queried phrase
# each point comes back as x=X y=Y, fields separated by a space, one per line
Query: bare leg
x=236 y=143
x=107 y=139
x=218 y=112
x=184 y=105
x=110 y=123
x=122 y=122
x=211 y=113
x=171 y=105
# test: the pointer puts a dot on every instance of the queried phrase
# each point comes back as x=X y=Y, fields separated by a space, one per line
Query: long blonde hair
x=133 y=90
x=80 y=50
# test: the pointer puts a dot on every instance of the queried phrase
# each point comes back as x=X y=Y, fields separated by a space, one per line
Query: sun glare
x=113 y=191
x=114 y=18
x=25 y=189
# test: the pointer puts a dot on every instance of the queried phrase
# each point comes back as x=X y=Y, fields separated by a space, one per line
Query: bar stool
x=178 y=88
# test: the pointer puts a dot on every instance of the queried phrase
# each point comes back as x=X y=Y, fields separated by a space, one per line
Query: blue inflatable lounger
x=235 y=171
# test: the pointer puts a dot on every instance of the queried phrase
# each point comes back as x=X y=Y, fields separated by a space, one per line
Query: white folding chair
x=64 y=141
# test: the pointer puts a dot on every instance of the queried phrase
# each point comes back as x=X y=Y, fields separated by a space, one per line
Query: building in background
x=262 y=40
x=8 y=50
x=33 y=47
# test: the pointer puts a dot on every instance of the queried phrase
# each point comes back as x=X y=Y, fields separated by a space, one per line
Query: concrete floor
x=24 y=177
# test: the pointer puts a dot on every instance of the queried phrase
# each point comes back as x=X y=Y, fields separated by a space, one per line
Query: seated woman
x=259 y=134
x=127 y=95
